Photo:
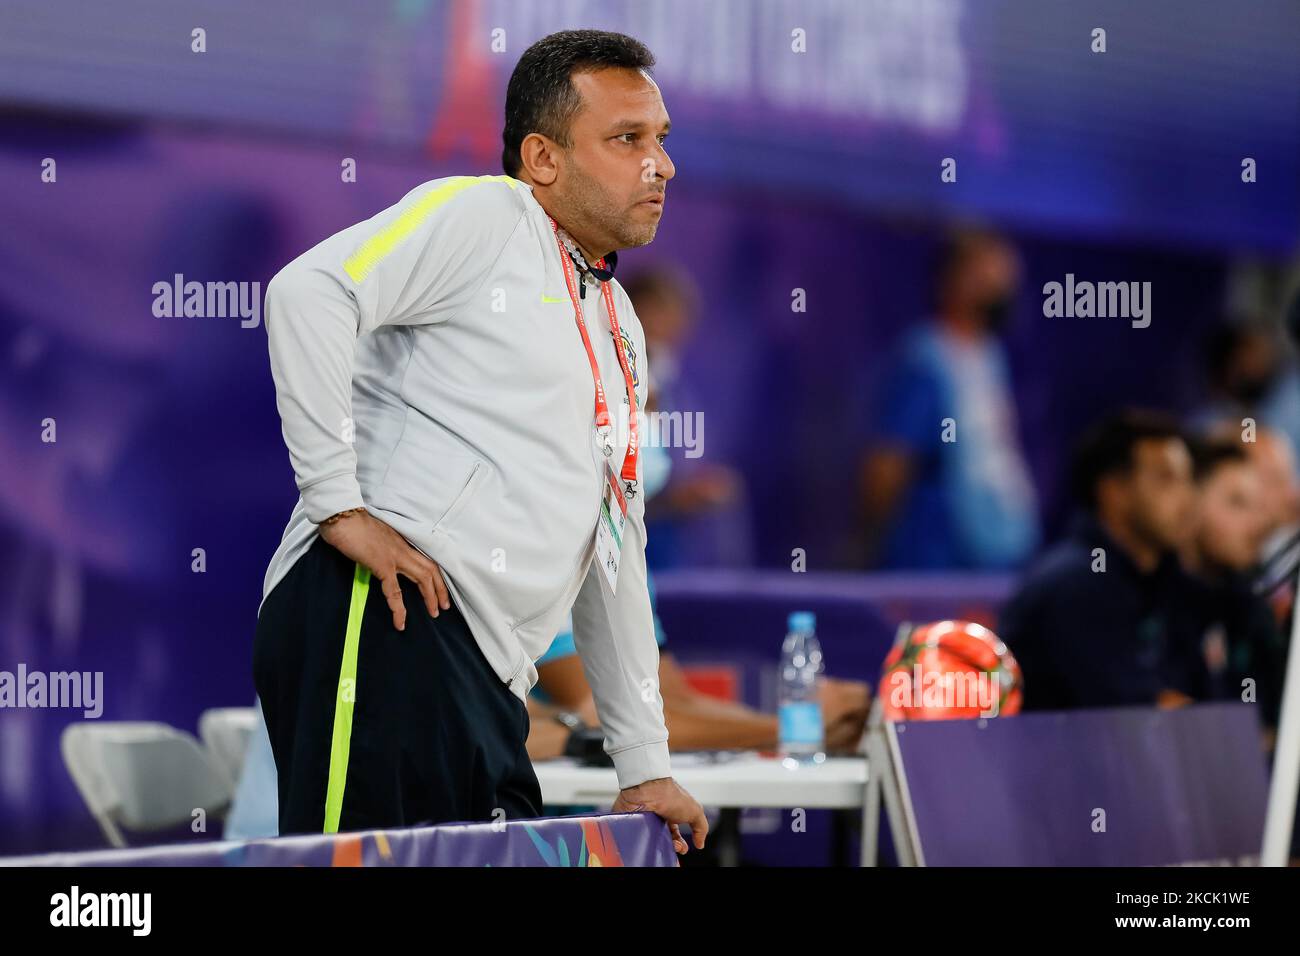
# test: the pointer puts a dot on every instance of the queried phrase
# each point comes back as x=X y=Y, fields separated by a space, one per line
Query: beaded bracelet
x=343 y=514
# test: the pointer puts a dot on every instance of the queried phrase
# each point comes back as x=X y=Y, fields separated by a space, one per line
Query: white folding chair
x=142 y=776
x=225 y=731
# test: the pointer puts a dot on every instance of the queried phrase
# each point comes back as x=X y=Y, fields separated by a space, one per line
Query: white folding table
x=728 y=781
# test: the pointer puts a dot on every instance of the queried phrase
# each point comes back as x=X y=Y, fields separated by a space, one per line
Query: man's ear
x=538 y=155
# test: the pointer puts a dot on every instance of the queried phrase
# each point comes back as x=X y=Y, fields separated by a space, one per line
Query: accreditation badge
x=609 y=527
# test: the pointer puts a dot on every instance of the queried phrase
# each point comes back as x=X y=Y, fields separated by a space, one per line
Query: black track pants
x=372 y=727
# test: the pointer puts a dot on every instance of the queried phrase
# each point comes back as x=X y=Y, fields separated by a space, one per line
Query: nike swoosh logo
x=551 y=298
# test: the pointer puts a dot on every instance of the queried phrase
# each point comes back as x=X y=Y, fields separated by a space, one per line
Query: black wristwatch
x=586 y=744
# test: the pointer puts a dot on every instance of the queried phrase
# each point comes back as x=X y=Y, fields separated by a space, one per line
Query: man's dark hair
x=540 y=97
x=1210 y=454
x=1107 y=448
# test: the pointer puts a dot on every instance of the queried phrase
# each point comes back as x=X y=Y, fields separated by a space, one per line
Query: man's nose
x=664 y=165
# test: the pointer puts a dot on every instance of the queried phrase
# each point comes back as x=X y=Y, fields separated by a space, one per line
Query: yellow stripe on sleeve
x=373 y=251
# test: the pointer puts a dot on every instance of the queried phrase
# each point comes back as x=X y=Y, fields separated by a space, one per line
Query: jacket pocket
x=428 y=497
x=462 y=497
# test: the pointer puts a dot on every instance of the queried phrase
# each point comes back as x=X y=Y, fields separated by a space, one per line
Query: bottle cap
x=802 y=621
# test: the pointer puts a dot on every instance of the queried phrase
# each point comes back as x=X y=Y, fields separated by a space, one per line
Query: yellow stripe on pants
x=344 y=702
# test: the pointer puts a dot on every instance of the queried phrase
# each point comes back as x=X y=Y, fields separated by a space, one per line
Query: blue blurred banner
x=859 y=101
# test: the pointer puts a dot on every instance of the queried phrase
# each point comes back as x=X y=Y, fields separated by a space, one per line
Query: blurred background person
x=1240 y=639
x=1099 y=621
x=945 y=483
x=1274 y=458
x=702 y=505
x=1243 y=363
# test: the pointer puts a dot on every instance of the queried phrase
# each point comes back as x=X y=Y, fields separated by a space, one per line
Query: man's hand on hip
x=668 y=800
x=368 y=541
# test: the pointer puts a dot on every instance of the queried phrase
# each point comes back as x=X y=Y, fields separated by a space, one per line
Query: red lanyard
x=603 y=424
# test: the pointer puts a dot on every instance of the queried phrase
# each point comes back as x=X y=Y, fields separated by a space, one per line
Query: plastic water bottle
x=800 y=710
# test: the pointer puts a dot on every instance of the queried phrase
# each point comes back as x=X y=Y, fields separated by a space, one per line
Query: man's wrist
x=342 y=514
x=642 y=763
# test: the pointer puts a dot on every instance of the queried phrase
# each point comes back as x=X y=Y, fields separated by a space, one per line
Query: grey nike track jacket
x=428 y=367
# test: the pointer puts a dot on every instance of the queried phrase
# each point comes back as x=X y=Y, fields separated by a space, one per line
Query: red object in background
x=950 y=670
x=461 y=126
x=719 y=680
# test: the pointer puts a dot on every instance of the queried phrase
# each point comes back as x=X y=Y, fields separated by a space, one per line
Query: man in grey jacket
x=462 y=418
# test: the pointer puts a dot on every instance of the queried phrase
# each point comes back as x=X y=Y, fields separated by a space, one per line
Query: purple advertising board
x=610 y=839
x=1122 y=787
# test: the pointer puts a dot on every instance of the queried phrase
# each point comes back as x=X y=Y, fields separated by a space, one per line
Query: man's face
x=987 y=282
x=613 y=178
x=1230 y=526
x=1161 y=497
x=1275 y=464
x=665 y=320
